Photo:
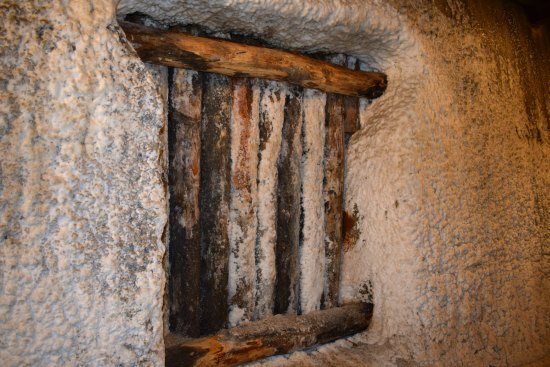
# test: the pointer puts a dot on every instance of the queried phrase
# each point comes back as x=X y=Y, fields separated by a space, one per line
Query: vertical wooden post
x=214 y=200
x=272 y=105
x=288 y=211
x=333 y=192
x=312 y=244
x=351 y=104
x=243 y=202
x=184 y=177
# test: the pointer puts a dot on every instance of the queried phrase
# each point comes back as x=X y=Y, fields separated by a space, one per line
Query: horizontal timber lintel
x=181 y=50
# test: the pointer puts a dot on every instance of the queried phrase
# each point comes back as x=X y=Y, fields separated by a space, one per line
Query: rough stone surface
x=450 y=175
x=82 y=203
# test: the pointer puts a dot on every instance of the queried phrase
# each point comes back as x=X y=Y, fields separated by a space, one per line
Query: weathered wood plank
x=333 y=192
x=272 y=105
x=312 y=243
x=184 y=181
x=172 y=48
x=351 y=104
x=274 y=335
x=215 y=170
x=244 y=189
x=288 y=211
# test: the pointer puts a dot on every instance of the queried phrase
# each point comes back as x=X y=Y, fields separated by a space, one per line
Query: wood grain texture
x=274 y=335
x=177 y=49
x=288 y=201
x=215 y=172
x=184 y=181
x=351 y=103
x=333 y=193
x=244 y=195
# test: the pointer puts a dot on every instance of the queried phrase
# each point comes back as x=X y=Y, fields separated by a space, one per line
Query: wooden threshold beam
x=181 y=50
x=278 y=334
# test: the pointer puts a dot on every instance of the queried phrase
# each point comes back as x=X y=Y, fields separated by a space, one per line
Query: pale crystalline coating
x=450 y=175
x=82 y=198
x=272 y=103
x=312 y=238
x=243 y=202
x=160 y=78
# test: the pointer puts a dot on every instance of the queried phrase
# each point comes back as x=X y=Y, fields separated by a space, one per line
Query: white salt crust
x=312 y=244
x=82 y=200
x=243 y=219
x=160 y=78
x=272 y=105
x=449 y=174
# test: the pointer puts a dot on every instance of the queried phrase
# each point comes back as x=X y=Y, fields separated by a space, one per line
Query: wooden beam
x=272 y=108
x=244 y=196
x=215 y=173
x=177 y=49
x=278 y=334
x=312 y=236
x=288 y=206
x=184 y=126
x=351 y=104
x=333 y=193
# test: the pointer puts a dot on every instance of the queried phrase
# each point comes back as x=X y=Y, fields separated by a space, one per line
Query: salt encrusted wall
x=449 y=176
x=82 y=208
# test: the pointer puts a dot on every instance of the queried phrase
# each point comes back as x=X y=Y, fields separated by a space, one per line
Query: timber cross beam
x=279 y=334
x=181 y=50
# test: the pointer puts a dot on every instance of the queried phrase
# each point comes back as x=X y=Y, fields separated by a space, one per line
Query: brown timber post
x=243 y=200
x=184 y=177
x=333 y=192
x=214 y=200
x=288 y=212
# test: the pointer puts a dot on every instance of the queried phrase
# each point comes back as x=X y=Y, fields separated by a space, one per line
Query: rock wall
x=449 y=176
x=82 y=203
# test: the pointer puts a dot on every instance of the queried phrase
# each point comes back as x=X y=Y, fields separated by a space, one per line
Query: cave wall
x=82 y=201
x=449 y=176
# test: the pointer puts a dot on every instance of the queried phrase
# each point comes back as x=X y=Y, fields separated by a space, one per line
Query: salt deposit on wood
x=288 y=201
x=272 y=103
x=184 y=180
x=243 y=220
x=312 y=245
x=214 y=200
